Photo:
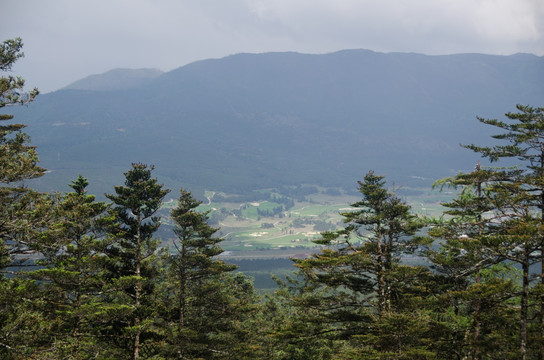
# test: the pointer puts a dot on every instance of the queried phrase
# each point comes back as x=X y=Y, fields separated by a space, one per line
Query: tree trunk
x=380 y=273
x=182 y=287
x=387 y=271
x=477 y=327
x=476 y=316
x=137 y=290
x=524 y=308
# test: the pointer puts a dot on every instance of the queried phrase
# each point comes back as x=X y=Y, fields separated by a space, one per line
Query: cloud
x=429 y=26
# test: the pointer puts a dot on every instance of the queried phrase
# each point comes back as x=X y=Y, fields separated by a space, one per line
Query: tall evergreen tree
x=204 y=301
x=470 y=262
x=21 y=212
x=134 y=252
x=18 y=160
x=524 y=137
x=351 y=289
x=72 y=272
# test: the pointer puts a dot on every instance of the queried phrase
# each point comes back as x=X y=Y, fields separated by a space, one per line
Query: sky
x=66 y=40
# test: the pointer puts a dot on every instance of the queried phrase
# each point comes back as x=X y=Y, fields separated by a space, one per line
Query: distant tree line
x=298 y=192
x=282 y=195
x=275 y=211
x=256 y=196
x=86 y=279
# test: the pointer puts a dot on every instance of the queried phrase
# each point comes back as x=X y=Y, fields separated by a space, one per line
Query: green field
x=258 y=229
x=263 y=245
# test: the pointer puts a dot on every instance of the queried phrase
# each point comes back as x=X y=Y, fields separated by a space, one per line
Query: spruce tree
x=352 y=289
x=476 y=284
x=18 y=159
x=204 y=301
x=523 y=136
x=72 y=273
x=134 y=253
x=22 y=211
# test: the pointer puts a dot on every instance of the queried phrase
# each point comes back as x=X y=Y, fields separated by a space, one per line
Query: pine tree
x=134 y=252
x=470 y=262
x=22 y=211
x=18 y=160
x=72 y=272
x=23 y=327
x=352 y=289
x=524 y=136
x=206 y=305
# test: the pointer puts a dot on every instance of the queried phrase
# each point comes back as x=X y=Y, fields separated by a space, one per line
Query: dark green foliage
x=205 y=306
x=132 y=258
x=519 y=196
x=23 y=330
x=355 y=289
x=376 y=233
x=478 y=289
x=18 y=160
x=72 y=273
x=23 y=213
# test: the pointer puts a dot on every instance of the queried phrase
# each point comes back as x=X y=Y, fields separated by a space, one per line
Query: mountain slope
x=116 y=79
x=253 y=121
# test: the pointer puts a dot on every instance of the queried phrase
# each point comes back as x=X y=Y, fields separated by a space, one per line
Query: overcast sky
x=66 y=40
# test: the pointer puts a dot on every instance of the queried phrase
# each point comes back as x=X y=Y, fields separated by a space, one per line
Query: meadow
x=257 y=229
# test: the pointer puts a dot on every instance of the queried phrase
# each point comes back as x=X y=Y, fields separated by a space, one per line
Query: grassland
x=258 y=229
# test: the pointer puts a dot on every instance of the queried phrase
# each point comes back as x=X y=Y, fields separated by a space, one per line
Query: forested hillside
x=257 y=121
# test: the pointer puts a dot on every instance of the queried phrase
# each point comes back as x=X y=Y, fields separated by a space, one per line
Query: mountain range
x=253 y=121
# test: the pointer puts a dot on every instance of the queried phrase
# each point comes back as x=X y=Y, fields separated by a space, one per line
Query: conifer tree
x=72 y=272
x=351 y=289
x=21 y=212
x=18 y=160
x=204 y=300
x=476 y=284
x=134 y=252
x=524 y=140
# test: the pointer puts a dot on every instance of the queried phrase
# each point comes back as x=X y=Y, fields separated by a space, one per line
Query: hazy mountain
x=254 y=121
x=117 y=79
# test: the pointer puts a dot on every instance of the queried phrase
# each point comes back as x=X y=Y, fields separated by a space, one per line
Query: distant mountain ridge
x=116 y=79
x=252 y=121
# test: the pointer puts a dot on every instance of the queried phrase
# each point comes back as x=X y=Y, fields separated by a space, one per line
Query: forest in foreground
x=87 y=279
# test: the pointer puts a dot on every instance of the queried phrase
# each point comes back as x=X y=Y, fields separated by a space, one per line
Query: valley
x=263 y=244
x=257 y=229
